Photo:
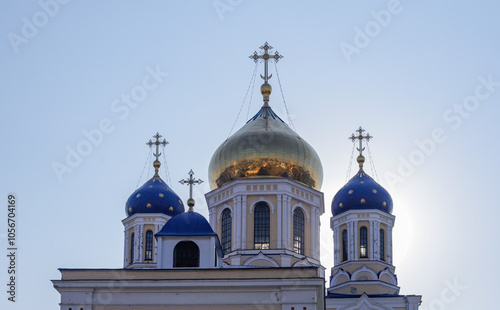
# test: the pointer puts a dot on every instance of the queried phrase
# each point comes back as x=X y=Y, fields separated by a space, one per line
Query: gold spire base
x=190 y=203
x=157 y=166
x=361 y=161
x=266 y=90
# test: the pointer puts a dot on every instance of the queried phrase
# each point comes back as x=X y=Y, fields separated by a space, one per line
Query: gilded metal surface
x=265 y=147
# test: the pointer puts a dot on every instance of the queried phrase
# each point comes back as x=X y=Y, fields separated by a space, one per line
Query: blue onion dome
x=187 y=224
x=155 y=196
x=362 y=192
x=265 y=147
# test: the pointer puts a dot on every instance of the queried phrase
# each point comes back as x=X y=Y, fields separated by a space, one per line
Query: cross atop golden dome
x=266 y=88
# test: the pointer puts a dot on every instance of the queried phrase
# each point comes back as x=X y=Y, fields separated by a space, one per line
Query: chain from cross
x=360 y=137
x=157 y=143
x=191 y=182
x=266 y=48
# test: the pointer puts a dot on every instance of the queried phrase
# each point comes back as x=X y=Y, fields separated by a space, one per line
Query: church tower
x=147 y=210
x=265 y=202
x=187 y=240
x=363 y=276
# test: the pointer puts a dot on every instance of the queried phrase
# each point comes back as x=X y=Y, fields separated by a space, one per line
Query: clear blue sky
x=410 y=72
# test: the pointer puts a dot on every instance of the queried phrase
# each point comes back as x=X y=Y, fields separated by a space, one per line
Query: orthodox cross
x=266 y=48
x=360 y=137
x=191 y=182
x=157 y=143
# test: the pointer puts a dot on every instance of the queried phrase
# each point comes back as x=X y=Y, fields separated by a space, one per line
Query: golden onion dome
x=265 y=147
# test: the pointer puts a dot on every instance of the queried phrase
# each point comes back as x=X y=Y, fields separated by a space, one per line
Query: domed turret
x=187 y=224
x=155 y=196
x=265 y=147
x=361 y=193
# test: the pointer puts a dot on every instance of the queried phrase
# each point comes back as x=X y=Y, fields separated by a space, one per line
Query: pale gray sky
x=423 y=77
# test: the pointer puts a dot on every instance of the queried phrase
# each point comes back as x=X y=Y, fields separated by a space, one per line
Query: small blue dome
x=361 y=193
x=155 y=196
x=187 y=224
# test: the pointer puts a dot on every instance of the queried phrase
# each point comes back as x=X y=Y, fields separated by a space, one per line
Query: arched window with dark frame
x=382 y=244
x=298 y=231
x=226 y=231
x=261 y=226
x=363 y=242
x=132 y=236
x=186 y=254
x=148 y=255
x=345 y=245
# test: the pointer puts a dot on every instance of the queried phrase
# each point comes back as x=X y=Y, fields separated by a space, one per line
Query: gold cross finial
x=191 y=182
x=266 y=48
x=157 y=163
x=266 y=89
x=360 y=137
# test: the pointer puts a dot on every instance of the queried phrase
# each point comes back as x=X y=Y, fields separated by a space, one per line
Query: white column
x=376 y=242
x=318 y=234
x=125 y=248
x=336 y=246
x=314 y=233
x=244 y=221
x=159 y=261
x=237 y=220
x=350 y=236
x=389 y=244
x=286 y=221
x=371 y=243
x=155 y=242
x=356 y=244
x=141 y=242
x=212 y=217
x=135 y=244
x=280 y=221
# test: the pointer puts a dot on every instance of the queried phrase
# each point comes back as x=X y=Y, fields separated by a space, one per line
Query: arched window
x=148 y=255
x=186 y=254
x=382 y=245
x=298 y=231
x=345 y=245
x=363 y=242
x=132 y=236
x=261 y=226
x=226 y=231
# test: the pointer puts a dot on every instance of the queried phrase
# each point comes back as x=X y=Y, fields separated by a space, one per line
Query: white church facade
x=260 y=247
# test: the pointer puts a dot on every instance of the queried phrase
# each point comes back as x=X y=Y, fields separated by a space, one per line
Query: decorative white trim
x=386 y=271
x=304 y=262
x=261 y=258
x=304 y=209
x=364 y=303
x=338 y=275
x=364 y=269
x=219 y=213
x=262 y=199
